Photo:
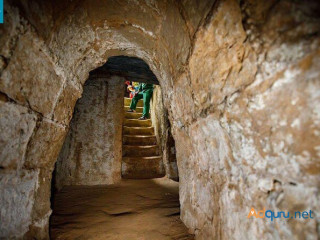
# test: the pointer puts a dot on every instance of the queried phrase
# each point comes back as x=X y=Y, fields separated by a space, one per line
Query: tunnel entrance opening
x=105 y=144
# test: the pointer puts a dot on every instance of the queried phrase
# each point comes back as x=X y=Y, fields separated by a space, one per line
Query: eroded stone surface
x=16 y=127
x=194 y=12
x=241 y=91
x=17 y=199
x=45 y=145
x=162 y=129
x=30 y=77
x=92 y=151
x=255 y=147
x=221 y=62
x=65 y=104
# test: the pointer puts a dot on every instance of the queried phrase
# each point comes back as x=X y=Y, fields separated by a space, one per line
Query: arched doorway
x=101 y=148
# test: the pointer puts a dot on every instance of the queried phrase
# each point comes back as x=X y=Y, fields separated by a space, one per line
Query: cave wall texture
x=240 y=82
x=92 y=151
x=160 y=122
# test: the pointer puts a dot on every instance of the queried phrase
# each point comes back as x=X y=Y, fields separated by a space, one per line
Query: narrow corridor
x=133 y=209
x=234 y=118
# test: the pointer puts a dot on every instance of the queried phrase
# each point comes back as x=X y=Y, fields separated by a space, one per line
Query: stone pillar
x=92 y=151
x=160 y=122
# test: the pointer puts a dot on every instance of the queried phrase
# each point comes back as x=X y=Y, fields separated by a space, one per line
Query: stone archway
x=225 y=71
x=51 y=82
x=92 y=152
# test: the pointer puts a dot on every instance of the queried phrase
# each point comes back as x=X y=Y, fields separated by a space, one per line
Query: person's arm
x=140 y=87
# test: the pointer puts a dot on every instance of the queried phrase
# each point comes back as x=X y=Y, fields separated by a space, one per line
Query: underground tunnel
x=233 y=132
x=105 y=144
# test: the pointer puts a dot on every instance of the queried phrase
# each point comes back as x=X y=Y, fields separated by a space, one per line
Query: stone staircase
x=141 y=157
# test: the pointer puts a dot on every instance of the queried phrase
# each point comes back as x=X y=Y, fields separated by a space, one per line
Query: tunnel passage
x=106 y=143
x=240 y=82
x=93 y=153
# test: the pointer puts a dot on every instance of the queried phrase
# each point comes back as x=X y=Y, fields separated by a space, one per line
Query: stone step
x=140 y=151
x=137 y=123
x=138 y=130
x=135 y=115
x=142 y=167
x=138 y=140
x=127 y=102
x=138 y=109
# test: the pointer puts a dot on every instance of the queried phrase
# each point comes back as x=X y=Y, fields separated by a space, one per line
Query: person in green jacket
x=145 y=91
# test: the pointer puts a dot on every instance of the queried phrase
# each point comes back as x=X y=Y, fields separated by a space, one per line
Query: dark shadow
x=131 y=68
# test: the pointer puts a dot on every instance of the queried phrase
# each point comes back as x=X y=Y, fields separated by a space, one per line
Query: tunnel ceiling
x=131 y=68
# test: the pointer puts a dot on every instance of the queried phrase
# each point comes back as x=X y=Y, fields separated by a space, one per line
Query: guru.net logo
x=280 y=214
x=1 y=11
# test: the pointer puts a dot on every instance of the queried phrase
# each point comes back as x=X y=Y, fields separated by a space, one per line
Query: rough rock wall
x=247 y=130
x=160 y=122
x=30 y=138
x=47 y=50
x=233 y=78
x=92 y=151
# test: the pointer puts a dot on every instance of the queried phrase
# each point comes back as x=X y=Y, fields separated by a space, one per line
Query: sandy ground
x=130 y=210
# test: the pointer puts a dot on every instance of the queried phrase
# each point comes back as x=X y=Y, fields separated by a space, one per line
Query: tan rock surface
x=29 y=84
x=92 y=151
x=16 y=127
x=240 y=82
x=132 y=209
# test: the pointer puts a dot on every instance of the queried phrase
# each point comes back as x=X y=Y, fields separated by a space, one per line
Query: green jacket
x=145 y=86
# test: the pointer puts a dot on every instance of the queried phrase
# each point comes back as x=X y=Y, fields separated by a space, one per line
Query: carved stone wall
x=240 y=82
x=92 y=151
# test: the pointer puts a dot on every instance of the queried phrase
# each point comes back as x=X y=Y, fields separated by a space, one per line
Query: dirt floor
x=130 y=210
